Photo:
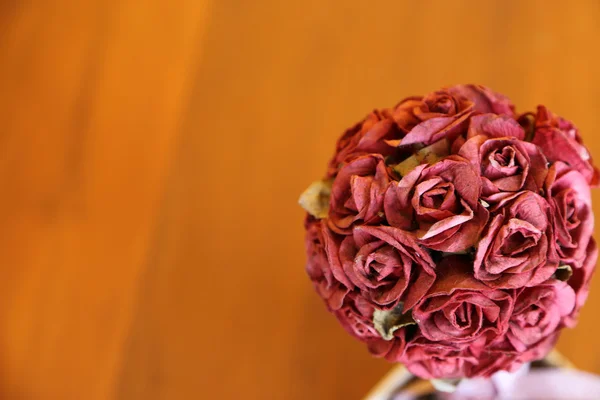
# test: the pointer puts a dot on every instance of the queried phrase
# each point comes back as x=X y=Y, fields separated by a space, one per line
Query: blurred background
x=151 y=157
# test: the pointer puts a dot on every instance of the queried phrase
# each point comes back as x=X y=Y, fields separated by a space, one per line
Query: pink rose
x=539 y=350
x=404 y=116
x=560 y=141
x=321 y=253
x=446 y=360
x=580 y=281
x=517 y=249
x=501 y=355
x=387 y=266
x=357 y=193
x=441 y=104
x=443 y=360
x=495 y=126
x=569 y=196
x=491 y=361
x=484 y=99
x=453 y=235
x=459 y=309
x=356 y=316
x=391 y=350
x=442 y=202
x=369 y=136
x=444 y=115
x=538 y=313
x=507 y=164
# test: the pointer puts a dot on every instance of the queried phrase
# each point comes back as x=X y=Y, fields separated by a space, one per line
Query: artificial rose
x=495 y=126
x=442 y=202
x=357 y=193
x=439 y=360
x=484 y=99
x=387 y=265
x=459 y=309
x=538 y=313
x=322 y=254
x=490 y=125
x=540 y=350
x=369 y=136
x=507 y=164
x=444 y=115
x=560 y=141
x=491 y=361
x=447 y=360
x=441 y=104
x=391 y=350
x=356 y=316
x=569 y=196
x=403 y=113
x=452 y=235
x=580 y=281
x=517 y=249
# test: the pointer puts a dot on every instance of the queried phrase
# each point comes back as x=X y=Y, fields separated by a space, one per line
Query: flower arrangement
x=454 y=235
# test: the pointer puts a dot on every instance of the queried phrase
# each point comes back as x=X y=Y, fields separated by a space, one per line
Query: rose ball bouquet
x=454 y=235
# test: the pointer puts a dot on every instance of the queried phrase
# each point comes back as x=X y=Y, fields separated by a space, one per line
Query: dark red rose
x=322 y=248
x=569 y=196
x=517 y=249
x=387 y=266
x=538 y=313
x=560 y=141
x=357 y=193
x=507 y=164
x=369 y=136
x=484 y=99
x=442 y=202
x=580 y=281
x=459 y=309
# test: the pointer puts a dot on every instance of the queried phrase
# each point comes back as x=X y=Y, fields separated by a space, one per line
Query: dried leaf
x=436 y=151
x=445 y=385
x=563 y=272
x=315 y=199
x=387 y=322
x=407 y=165
x=430 y=155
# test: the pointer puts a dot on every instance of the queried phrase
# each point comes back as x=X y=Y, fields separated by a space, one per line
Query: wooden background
x=152 y=153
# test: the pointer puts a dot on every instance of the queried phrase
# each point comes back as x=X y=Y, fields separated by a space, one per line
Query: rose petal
x=434 y=129
x=397 y=202
x=495 y=126
x=421 y=265
x=485 y=100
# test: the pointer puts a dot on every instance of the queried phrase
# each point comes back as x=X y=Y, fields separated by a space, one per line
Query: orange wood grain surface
x=152 y=153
